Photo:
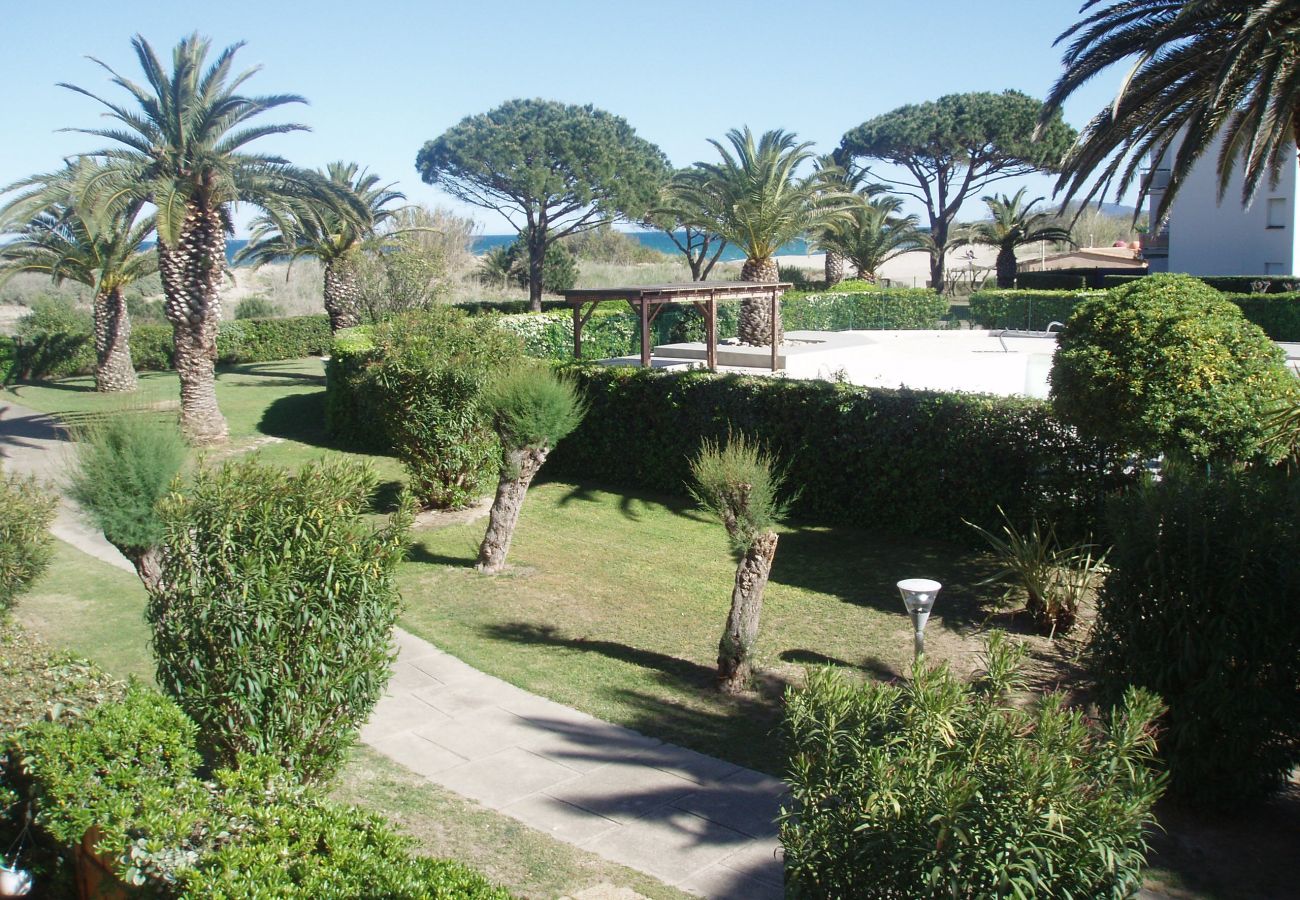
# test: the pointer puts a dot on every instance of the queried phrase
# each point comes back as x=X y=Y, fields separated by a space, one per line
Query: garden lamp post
x=918 y=598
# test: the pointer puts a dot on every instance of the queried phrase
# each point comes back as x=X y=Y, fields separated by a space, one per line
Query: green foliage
x=256 y=306
x=1278 y=314
x=605 y=245
x=793 y=275
x=26 y=512
x=54 y=340
x=934 y=788
x=406 y=275
x=532 y=407
x=905 y=462
x=42 y=684
x=426 y=373
x=888 y=309
x=272 y=622
x=510 y=263
x=1167 y=365
x=1198 y=608
x=739 y=483
x=1051 y=281
x=872 y=234
x=1024 y=310
x=1253 y=284
x=268 y=340
x=130 y=770
x=1013 y=223
x=124 y=466
x=570 y=167
x=1054 y=579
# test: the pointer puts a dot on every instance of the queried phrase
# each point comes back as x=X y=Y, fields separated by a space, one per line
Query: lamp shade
x=918 y=594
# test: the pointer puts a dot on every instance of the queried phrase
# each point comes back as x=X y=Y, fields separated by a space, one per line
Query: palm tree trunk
x=1006 y=267
x=342 y=293
x=834 y=268
x=517 y=473
x=755 y=325
x=735 y=650
x=191 y=276
x=113 y=369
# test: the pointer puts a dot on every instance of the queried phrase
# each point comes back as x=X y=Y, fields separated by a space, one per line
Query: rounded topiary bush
x=1167 y=365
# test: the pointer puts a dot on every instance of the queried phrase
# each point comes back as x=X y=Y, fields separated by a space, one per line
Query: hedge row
x=64 y=354
x=908 y=462
x=1231 y=284
x=125 y=793
x=1277 y=314
x=615 y=330
x=1051 y=281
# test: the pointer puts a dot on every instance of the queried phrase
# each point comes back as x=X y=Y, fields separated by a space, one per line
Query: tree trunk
x=148 y=565
x=735 y=664
x=536 y=271
x=191 y=276
x=1006 y=267
x=516 y=474
x=755 y=323
x=834 y=268
x=113 y=369
x=342 y=293
x=937 y=274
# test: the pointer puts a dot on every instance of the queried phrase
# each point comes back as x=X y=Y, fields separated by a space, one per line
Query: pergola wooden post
x=648 y=301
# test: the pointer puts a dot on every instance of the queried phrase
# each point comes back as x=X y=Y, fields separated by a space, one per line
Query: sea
x=655 y=240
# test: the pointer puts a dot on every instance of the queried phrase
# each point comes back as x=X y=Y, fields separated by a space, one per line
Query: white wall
x=1209 y=238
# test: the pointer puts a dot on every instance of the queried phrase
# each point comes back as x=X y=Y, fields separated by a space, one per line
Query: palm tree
x=1014 y=224
x=754 y=200
x=837 y=173
x=181 y=150
x=1201 y=69
x=873 y=234
x=58 y=241
x=297 y=229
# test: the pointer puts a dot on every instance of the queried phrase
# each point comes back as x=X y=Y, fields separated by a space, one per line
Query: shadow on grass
x=298 y=417
x=628 y=500
x=419 y=553
x=270 y=375
x=864 y=569
x=75 y=387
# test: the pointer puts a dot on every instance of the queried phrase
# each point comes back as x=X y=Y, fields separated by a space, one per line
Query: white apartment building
x=1204 y=237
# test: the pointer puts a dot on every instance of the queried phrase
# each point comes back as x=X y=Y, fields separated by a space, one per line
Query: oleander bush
x=272 y=619
x=1199 y=608
x=937 y=788
x=1168 y=365
x=26 y=512
x=130 y=771
x=907 y=462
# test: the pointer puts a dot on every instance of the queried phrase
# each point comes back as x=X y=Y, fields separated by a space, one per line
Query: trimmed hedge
x=1025 y=310
x=1277 y=313
x=908 y=462
x=1231 y=284
x=1051 y=281
x=897 y=309
x=65 y=354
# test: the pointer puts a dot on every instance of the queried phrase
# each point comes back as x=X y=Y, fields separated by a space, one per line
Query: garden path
x=695 y=822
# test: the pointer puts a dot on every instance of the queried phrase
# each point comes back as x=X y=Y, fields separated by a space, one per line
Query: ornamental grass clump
x=939 y=788
x=740 y=484
x=275 y=608
x=123 y=468
x=26 y=512
x=532 y=410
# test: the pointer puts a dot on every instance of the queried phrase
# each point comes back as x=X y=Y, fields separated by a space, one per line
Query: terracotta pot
x=96 y=879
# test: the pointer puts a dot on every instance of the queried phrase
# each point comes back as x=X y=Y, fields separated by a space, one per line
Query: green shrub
x=26 y=512
x=54 y=340
x=272 y=620
x=130 y=770
x=908 y=462
x=1278 y=314
x=426 y=374
x=1253 y=284
x=606 y=245
x=353 y=400
x=42 y=684
x=1024 y=310
x=479 y=307
x=608 y=333
x=1166 y=365
x=1051 y=281
x=935 y=788
x=153 y=348
x=256 y=306
x=510 y=263
x=1198 y=607
x=267 y=340
x=892 y=309
x=1110 y=281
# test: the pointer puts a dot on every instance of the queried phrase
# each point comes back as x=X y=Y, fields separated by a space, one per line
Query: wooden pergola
x=648 y=301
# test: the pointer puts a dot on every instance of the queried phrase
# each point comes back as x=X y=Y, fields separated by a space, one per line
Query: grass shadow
x=419 y=553
x=298 y=417
x=76 y=387
x=628 y=500
x=270 y=375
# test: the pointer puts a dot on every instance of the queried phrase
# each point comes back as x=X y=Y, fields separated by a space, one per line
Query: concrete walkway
x=692 y=821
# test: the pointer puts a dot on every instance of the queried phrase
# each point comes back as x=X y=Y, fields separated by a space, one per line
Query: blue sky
x=383 y=78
